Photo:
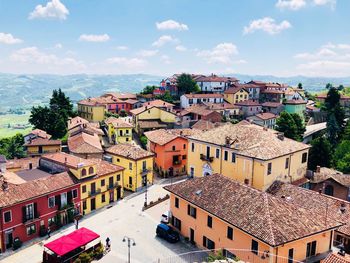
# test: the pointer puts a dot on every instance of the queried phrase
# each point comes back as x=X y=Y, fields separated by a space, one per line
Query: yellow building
x=152 y=117
x=247 y=153
x=138 y=164
x=236 y=94
x=41 y=146
x=215 y=212
x=92 y=109
x=101 y=182
x=119 y=131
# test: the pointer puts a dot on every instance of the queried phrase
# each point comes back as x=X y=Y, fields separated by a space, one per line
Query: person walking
x=48 y=231
x=108 y=244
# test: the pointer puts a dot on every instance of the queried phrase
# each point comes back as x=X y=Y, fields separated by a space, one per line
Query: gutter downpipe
x=289 y=165
x=252 y=172
x=276 y=255
x=2 y=241
x=221 y=156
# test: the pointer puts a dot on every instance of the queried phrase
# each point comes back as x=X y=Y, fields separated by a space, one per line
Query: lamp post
x=129 y=239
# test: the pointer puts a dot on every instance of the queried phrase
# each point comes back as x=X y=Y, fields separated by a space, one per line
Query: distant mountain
x=24 y=91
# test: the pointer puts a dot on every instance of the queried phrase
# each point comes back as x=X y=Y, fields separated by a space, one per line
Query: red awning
x=72 y=241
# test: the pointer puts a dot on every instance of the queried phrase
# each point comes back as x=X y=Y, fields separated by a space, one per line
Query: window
x=311 y=249
x=103 y=198
x=287 y=163
x=208 y=152
x=210 y=221
x=230 y=233
x=144 y=165
x=130 y=180
x=31 y=229
x=118 y=160
x=304 y=158
x=127 y=132
x=226 y=155
x=290 y=255
x=208 y=243
x=118 y=177
x=83 y=189
x=329 y=190
x=7 y=216
x=103 y=182
x=51 y=221
x=176 y=223
x=184 y=146
x=91 y=170
x=51 y=201
x=130 y=166
x=176 y=202
x=111 y=181
x=63 y=199
x=84 y=205
x=233 y=157
x=192 y=147
x=174 y=147
x=217 y=153
x=83 y=172
x=184 y=157
x=191 y=211
x=192 y=171
x=255 y=247
x=29 y=211
x=269 y=168
x=190 y=101
x=74 y=193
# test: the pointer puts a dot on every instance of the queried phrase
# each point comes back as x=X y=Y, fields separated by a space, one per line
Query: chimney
x=342 y=208
x=246 y=181
x=65 y=160
x=280 y=136
x=227 y=141
x=318 y=169
x=5 y=185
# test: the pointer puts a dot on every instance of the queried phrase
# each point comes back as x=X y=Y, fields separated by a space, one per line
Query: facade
x=253 y=89
x=266 y=119
x=188 y=100
x=295 y=106
x=215 y=212
x=236 y=94
x=92 y=110
x=227 y=110
x=344 y=100
x=85 y=145
x=119 y=130
x=273 y=107
x=137 y=162
x=247 y=153
x=170 y=150
x=28 y=163
x=28 y=208
x=41 y=146
x=190 y=115
x=249 y=107
x=214 y=83
x=101 y=183
x=160 y=104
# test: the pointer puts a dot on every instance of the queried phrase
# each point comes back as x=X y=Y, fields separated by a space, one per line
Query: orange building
x=216 y=212
x=170 y=148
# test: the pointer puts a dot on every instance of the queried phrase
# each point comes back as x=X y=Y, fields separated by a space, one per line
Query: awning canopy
x=72 y=241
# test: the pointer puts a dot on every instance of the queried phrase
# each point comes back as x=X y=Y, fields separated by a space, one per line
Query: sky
x=163 y=37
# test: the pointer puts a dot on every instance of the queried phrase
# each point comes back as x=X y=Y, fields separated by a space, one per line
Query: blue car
x=165 y=232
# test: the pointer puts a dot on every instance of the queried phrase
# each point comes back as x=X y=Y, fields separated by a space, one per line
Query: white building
x=187 y=100
x=215 y=83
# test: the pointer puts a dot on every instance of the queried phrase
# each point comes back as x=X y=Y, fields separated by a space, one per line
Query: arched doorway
x=207 y=170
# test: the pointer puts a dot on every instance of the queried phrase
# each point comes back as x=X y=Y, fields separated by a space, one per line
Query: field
x=9 y=124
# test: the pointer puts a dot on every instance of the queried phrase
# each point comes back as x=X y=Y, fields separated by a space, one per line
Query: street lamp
x=129 y=239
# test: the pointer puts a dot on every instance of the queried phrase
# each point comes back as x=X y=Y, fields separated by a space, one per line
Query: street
x=125 y=218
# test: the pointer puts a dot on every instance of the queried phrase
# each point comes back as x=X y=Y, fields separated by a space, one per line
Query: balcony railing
x=145 y=171
x=96 y=192
x=111 y=186
x=206 y=158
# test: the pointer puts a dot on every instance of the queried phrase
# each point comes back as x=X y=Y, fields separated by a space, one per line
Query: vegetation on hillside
x=292 y=125
x=12 y=147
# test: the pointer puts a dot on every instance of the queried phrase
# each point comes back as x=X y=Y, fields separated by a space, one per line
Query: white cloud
x=58 y=46
x=129 y=63
x=290 y=4
x=222 y=53
x=325 y=68
x=165 y=59
x=122 y=48
x=327 y=51
x=171 y=25
x=53 y=10
x=163 y=40
x=180 y=48
x=268 y=25
x=9 y=39
x=147 y=53
x=94 y=38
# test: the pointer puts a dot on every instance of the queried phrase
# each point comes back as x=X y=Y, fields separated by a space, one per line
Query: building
x=274 y=92
x=92 y=109
x=170 y=150
x=295 y=106
x=119 y=130
x=344 y=100
x=265 y=119
x=206 y=125
x=41 y=146
x=273 y=107
x=216 y=212
x=236 y=94
x=85 y=145
x=33 y=200
x=159 y=104
x=101 y=183
x=214 y=83
x=3 y=162
x=190 y=115
x=249 y=107
x=188 y=100
x=28 y=163
x=247 y=153
x=138 y=164
x=37 y=133
x=228 y=110
x=149 y=118
x=254 y=89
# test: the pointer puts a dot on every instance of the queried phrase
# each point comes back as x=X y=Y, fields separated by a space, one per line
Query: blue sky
x=277 y=37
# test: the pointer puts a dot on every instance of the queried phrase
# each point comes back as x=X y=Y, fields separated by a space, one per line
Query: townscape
x=206 y=157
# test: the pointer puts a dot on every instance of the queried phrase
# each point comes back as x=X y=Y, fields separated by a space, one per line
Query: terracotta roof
x=99 y=101
x=84 y=143
x=266 y=116
x=200 y=96
x=41 y=141
x=234 y=90
x=220 y=106
x=131 y=101
x=206 y=125
x=327 y=173
x=335 y=258
x=214 y=78
x=76 y=121
x=163 y=136
x=121 y=95
x=2 y=158
x=144 y=108
x=151 y=124
x=158 y=103
x=272 y=91
x=295 y=102
x=248 y=103
x=342 y=97
x=67 y=160
x=313 y=201
x=251 y=140
x=22 y=192
x=197 y=109
x=270 y=219
x=23 y=163
x=272 y=104
x=118 y=123
x=41 y=134
x=129 y=151
x=104 y=167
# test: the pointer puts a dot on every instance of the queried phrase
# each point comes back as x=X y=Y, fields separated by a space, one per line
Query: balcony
x=145 y=171
x=93 y=193
x=111 y=186
x=206 y=158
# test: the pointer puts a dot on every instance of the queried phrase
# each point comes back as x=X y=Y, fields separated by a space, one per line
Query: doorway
x=111 y=196
x=118 y=193
x=191 y=235
x=93 y=203
x=8 y=239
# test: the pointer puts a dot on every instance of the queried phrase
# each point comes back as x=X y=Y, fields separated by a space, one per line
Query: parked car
x=165 y=232
x=166 y=217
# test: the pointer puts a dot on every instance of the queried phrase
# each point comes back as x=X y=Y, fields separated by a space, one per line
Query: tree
x=286 y=124
x=341 y=158
x=148 y=89
x=320 y=153
x=300 y=85
x=341 y=88
x=166 y=97
x=346 y=133
x=299 y=122
x=333 y=129
x=186 y=84
x=61 y=103
x=12 y=147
